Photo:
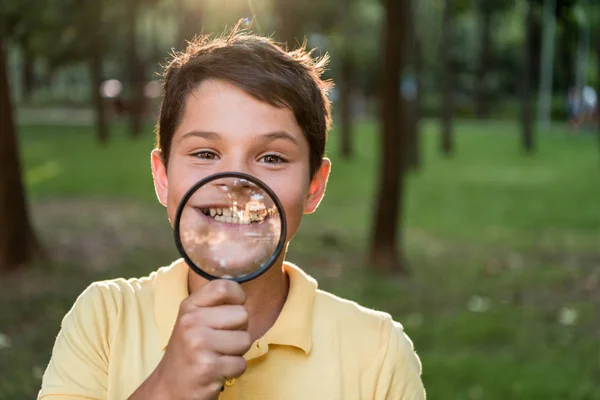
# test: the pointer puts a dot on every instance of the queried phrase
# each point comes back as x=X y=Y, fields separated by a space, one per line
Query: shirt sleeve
x=78 y=367
x=400 y=376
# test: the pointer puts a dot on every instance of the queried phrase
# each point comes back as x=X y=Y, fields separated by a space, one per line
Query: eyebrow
x=267 y=137
x=272 y=136
x=200 y=134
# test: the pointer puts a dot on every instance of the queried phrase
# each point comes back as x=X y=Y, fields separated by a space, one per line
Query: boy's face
x=223 y=129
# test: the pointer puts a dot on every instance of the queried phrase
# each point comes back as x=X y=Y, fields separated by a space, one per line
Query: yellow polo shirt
x=320 y=347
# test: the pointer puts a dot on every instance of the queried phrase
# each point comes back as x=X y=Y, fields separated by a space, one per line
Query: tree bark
x=136 y=71
x=191 y=22
x=95 y=64
x=18 y=244
x=95 y=59
x=485 y=53
x=28 y=76
x=386 y=252
x=413 y=107
x=346 y=73
x=289 y=26
x=598 y=71
x=447 y=76
x=527 y=136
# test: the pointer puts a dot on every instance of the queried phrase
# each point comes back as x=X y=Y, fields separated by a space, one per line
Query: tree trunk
x=18 y=245
x=101 y=122
x=485 y=53
x=598 y=71
x=346 y=73
x=28 y=76
x=95 y=59
x=289 y=26
x=136 y=71
x=386 y=253
x=191 y=22
x=546 y=72
x=447 y=143
x=527 y=137
x=413 y=107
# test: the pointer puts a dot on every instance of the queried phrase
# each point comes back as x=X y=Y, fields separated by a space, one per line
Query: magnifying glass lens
x=230 y=226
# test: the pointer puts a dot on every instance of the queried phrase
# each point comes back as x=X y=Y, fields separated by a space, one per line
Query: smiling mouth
x=252 y=213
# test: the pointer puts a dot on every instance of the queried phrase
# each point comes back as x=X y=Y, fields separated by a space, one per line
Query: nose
x=235 y=161
x=235 y=186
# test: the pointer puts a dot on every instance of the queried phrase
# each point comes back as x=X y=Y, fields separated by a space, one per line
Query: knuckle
x=198 y=342
x=243 y=314
x=208 y=360
x=240 y=366
x=238 y=315
x=246 y=339
x=184 y=306
x=187 y=321
x=221 y=288
x=215 y=386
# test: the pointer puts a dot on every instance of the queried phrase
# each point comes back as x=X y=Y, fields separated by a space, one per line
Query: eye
x=273 y=159
x=205 y=155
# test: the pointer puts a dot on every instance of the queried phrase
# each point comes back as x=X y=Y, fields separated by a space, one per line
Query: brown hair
x=261 y=68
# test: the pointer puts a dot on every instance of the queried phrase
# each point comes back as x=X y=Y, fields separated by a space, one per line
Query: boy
x=235 y=103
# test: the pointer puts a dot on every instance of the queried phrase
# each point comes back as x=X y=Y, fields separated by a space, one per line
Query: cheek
x=293 y=199
x=180 y=180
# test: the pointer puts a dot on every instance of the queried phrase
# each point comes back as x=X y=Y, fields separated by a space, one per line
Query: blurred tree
x=28 y=73
x=289 y=22
x=347 y=70
x=414 y=80
x=135 y=68
x=447 y=77
x=597 y=34
x=191 y=21
x=529 y=57
x=18 y=244
x=567 y=42
x=350 y=41
x=386 y=252
x=346 y=93
x=94 y=36
x=486 y=11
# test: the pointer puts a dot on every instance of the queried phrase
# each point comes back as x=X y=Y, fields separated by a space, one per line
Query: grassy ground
x=503 y=301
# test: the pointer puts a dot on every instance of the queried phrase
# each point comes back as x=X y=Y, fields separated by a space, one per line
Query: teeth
x=251 y=214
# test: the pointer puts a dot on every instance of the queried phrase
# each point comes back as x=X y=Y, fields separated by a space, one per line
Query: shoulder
x=116 y=291
x=101 y=302
x=363 y=328
x=375 y=340
x=350 y=312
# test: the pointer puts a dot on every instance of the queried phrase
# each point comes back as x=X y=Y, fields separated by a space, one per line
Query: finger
x=230 y=343
x=224 y=317
x=217 y=292
x=232 y=366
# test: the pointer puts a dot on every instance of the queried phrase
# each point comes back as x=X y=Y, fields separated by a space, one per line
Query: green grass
x=501 y=246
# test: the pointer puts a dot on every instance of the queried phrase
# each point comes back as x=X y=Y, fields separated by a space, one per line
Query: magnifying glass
x=230 y=225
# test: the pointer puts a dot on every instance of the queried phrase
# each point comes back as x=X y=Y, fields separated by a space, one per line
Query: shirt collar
x=171 y=289
x=293 y=327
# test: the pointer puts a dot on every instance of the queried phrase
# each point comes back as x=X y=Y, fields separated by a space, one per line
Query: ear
x=317 y=187
x=159 y=173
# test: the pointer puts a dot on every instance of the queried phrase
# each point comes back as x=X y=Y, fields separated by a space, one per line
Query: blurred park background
x=464 y=197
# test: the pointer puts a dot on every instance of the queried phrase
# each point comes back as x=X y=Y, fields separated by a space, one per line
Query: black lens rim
x=263 y=186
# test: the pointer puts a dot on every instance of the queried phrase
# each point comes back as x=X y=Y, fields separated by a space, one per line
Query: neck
x=266 y=296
